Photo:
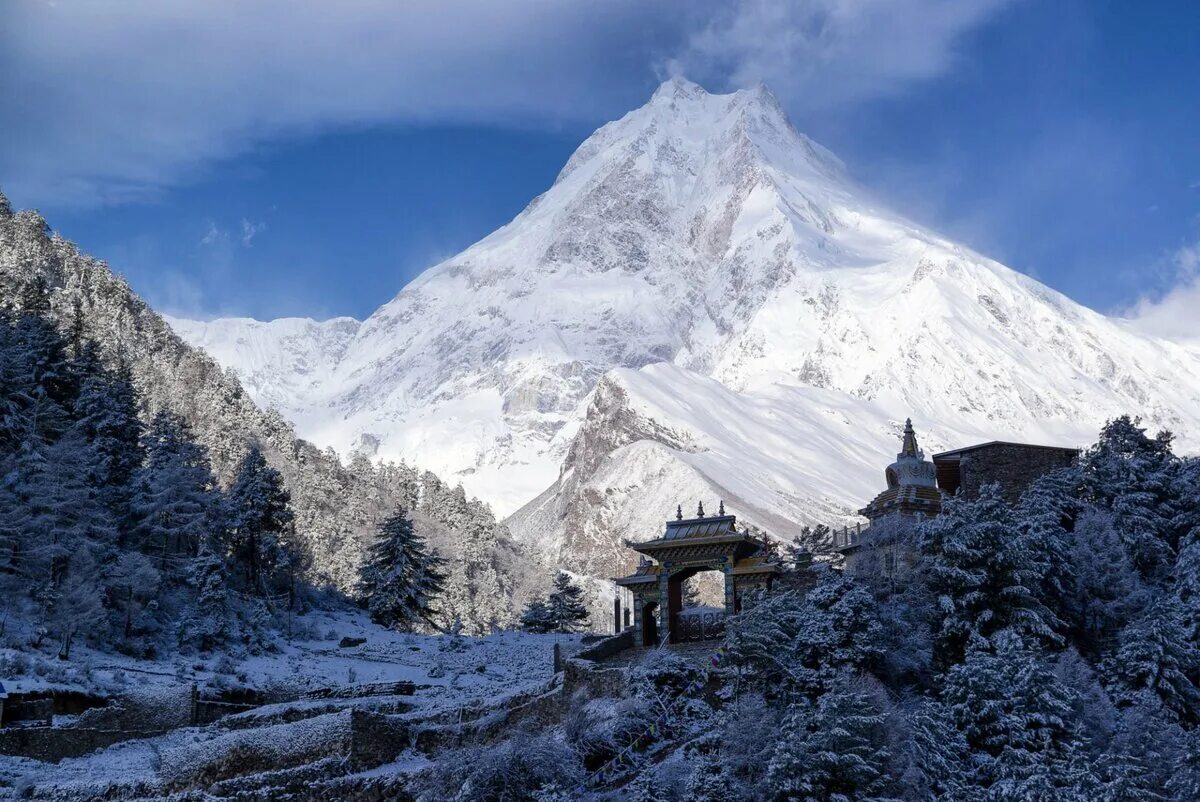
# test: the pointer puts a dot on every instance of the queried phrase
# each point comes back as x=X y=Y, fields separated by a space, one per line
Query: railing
x=847 y=536
x=703 y=626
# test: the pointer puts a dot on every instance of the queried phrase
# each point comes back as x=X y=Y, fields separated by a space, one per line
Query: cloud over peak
x=108 y=103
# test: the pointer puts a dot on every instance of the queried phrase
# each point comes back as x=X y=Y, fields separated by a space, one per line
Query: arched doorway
x=649 y=624
x=697 y=621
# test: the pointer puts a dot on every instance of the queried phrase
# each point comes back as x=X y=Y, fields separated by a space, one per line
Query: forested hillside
x=107 y=414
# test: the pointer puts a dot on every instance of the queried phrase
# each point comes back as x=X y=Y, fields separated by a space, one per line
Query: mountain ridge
x=704 y=232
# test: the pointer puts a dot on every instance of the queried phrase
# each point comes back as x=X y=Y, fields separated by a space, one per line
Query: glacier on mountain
x=703 y=305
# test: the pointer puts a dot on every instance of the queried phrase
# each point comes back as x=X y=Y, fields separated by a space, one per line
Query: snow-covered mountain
x=703 y=305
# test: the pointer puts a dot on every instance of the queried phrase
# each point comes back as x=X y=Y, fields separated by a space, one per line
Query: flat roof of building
x=958 y=451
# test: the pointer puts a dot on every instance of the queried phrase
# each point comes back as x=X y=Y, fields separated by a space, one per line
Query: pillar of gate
x=664 y=606
x=730 y=589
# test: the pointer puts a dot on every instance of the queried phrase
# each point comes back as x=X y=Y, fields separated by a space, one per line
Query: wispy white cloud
x=822 y=54
x=113 y=102
x=1174 y=314
x=215 y=235
x=250 y=231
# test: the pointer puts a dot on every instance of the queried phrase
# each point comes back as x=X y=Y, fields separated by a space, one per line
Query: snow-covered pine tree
x=1046 y=515
x=401 y=578
x=206 y=622
x=260 y=523
x=108 y=409
x=133 y=584
x=835 y=750
x=709 y=781
x=1134 y=476
x=1110 y=589
x=936 y=762
x=1129 y=772
x=176 y=497
x=1157 y=663
x=536 y=617
x=985 y=575
x=565 y=607
x=1015 y=715
x=77 y=607
x=1184 y=782
x=792 y=645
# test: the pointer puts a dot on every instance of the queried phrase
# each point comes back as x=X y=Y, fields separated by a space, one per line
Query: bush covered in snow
x=523 y=767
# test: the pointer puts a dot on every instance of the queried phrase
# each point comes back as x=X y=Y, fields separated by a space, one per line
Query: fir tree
x=937 y=762
x=1133 y=476
x=108 y=408
x=798 y=645
x=401 y=577
x=1012 y=709
x=836 y=751
x=1110 y=590
x=1046 y=516
x=261 y=520
x=565 y=608
x=175 y=498
x=536 y=617
x=1184 y=782
x=133 y=584
x=709 y=781
x=206 y=624
x=985 y=575
x=1157 y=662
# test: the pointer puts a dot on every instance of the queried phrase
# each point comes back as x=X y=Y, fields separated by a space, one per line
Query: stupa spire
x=909 y=449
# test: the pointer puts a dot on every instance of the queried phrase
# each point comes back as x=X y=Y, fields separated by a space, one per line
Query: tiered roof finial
x=679 y=512
x=700 y=510
x=721 y=509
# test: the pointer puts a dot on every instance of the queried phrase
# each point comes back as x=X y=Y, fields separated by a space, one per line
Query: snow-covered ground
x=453 y=667
x=451 y=674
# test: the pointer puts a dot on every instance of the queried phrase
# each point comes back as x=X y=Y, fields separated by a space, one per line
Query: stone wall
x=607 y=647
x=594 y=680
x=52 y=744
x=25 y=709
x=150 y=708
x=1014 y=466
x=375 y=739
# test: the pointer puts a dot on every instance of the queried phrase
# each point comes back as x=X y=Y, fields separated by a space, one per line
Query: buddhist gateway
x=915 y=490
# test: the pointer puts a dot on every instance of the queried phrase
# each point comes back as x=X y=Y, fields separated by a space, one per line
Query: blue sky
x=277 y=161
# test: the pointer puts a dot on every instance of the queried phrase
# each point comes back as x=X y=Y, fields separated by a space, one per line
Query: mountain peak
x=678 y=87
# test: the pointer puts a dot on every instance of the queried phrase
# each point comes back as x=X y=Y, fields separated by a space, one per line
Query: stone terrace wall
x=52 y=744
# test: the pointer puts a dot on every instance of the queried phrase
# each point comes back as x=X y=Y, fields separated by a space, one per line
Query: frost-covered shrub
x=744 y=749
x=515 y=770
x=664 y=672
x=14 y=664
x=602 y=728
